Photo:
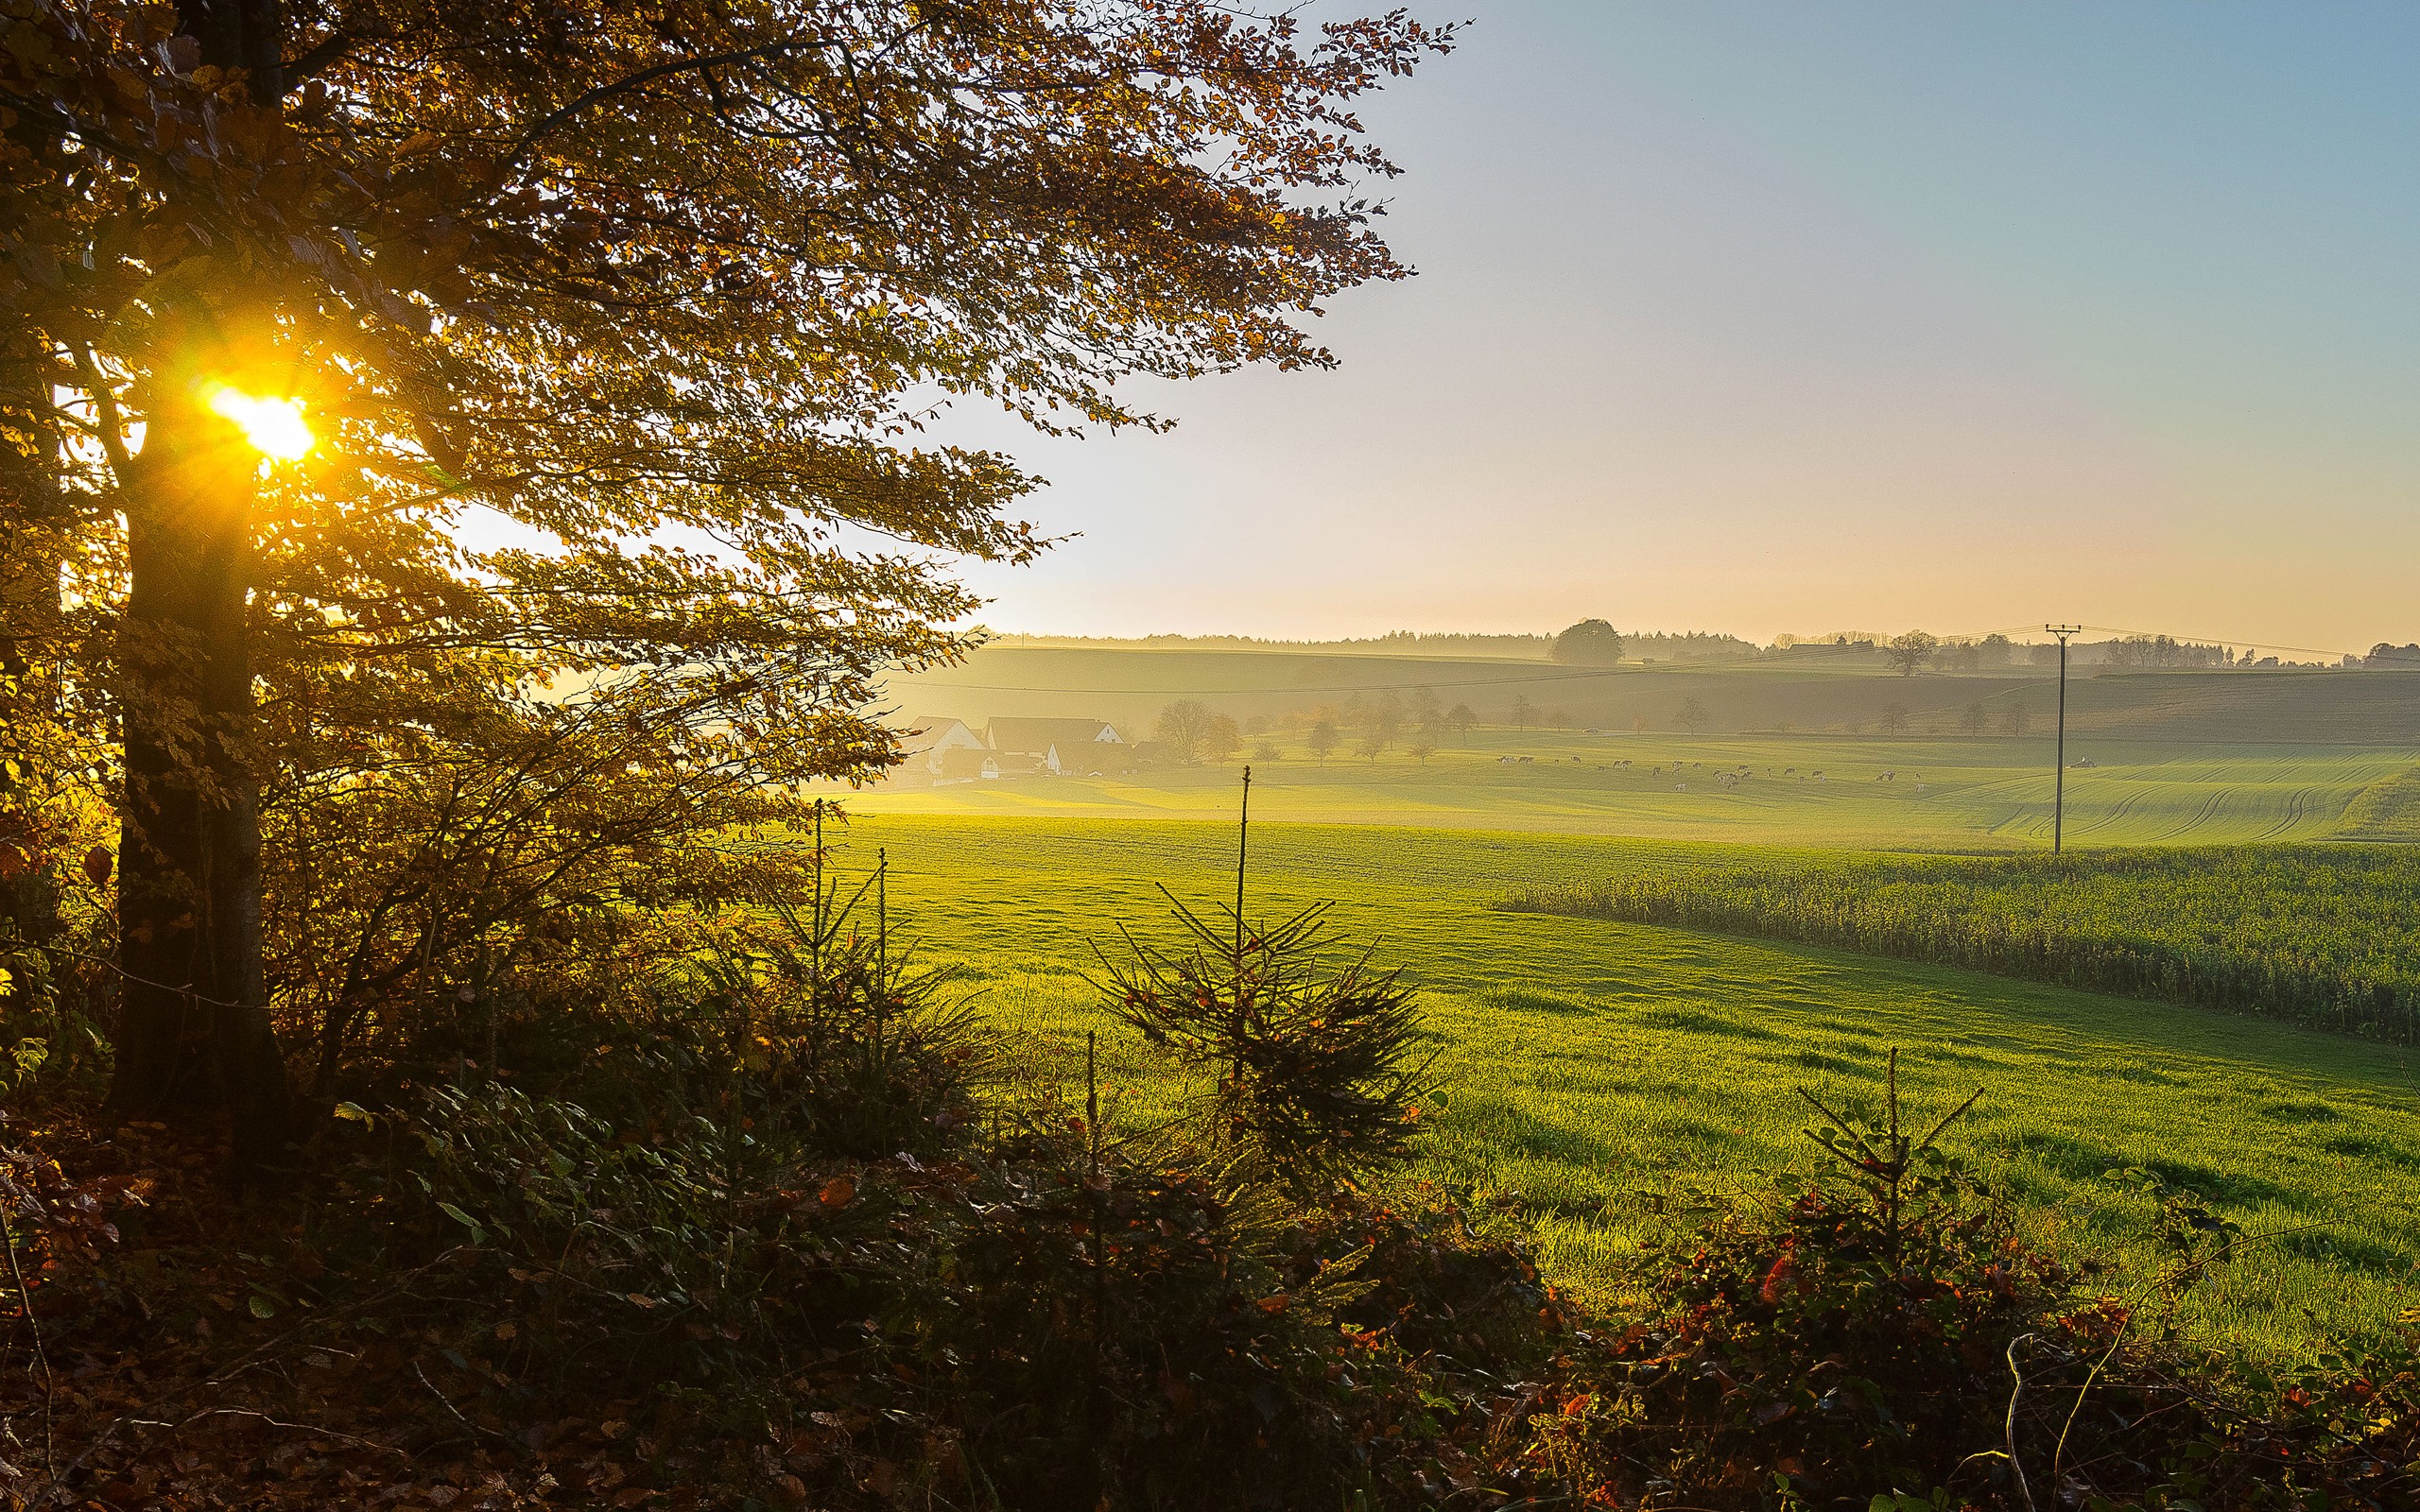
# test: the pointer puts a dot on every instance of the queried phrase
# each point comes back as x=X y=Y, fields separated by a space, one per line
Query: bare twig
x=486 y=1433
x=2016 y=1467
x=2058 y=1456
x=33 y=1326
x=313 y=1429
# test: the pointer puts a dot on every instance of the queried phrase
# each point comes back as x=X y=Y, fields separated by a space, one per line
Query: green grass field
x=1606 y=1071
x=1959 y=793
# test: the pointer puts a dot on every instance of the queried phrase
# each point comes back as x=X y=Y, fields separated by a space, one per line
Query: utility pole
x=2059 y=774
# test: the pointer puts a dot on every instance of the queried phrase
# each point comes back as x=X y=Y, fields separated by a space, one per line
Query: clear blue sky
x=1768 y=316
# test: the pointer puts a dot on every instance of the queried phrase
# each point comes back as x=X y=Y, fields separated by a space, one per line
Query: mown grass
x=1608 y=1073
x=2321 y=935
x=1942 y=793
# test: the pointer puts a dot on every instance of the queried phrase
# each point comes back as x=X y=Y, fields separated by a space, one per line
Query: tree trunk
x=194 y=1034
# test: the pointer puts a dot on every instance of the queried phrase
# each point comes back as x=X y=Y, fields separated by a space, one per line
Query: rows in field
x=2388 y=808
x=2327 y=936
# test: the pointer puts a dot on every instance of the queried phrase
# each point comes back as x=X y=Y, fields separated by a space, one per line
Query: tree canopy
x=618 y=327
x=1590 y=642
x=1910 y=651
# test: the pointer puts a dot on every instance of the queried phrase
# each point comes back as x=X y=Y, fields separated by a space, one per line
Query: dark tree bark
x=193 y=1033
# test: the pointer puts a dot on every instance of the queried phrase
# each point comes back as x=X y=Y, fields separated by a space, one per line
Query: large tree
x=1588 y=643
x=1910 y=651
x=661 y=297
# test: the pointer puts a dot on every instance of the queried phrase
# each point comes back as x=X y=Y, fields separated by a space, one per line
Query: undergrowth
x=785 y=1236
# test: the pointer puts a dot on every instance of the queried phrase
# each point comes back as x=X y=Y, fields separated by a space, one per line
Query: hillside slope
x=1131 y=685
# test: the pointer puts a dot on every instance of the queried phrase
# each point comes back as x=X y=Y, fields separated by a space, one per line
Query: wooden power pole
x=2059 y=772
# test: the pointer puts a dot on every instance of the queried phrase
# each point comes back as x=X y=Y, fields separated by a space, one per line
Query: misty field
x=1979 y=793
x=1607 y=1073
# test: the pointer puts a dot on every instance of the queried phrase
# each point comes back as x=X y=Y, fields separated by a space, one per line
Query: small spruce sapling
x=1902 y=1176
x=1313 y=1073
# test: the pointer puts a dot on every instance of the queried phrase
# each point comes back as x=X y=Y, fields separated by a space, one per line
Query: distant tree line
x=1596 y=642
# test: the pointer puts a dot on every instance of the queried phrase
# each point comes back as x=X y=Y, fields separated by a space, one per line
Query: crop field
x=1611 y=1073
x=1941 y=793
x=2321 y=935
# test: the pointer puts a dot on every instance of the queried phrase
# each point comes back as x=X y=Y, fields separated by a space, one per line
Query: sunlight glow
x=274 y=426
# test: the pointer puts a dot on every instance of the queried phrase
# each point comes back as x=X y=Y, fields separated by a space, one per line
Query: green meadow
x=1612 y=1076
x=1917 y=792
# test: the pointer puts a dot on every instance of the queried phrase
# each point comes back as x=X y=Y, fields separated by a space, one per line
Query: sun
x=274 y=426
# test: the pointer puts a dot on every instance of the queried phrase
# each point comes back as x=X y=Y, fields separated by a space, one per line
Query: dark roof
x=1033 y=737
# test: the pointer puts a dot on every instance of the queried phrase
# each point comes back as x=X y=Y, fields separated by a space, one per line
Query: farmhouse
x=926 y=740
x=959 y=765
x=1062 y=747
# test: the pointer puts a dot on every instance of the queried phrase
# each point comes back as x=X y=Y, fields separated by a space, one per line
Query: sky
x=1775 y=318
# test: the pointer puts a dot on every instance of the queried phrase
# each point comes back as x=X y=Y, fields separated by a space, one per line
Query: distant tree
x=1221 y=739
x=2161 y=653
x=1638 y=726
x=1895 y=719
x=1183 y=728
x=1461 y=718
x=1995 y=649
x=2387 y=654
x=1322 y=740
x=1427 y=711
x=1422 y=749
x=1954 y=656
x=2013 y=719
x=1692 y=716
x=2044 y=655
x=1388 y=711
x=1977 y=718
x=1265 y=752
x=1589 y=644
x=1910 y=651
x=1524 y=711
